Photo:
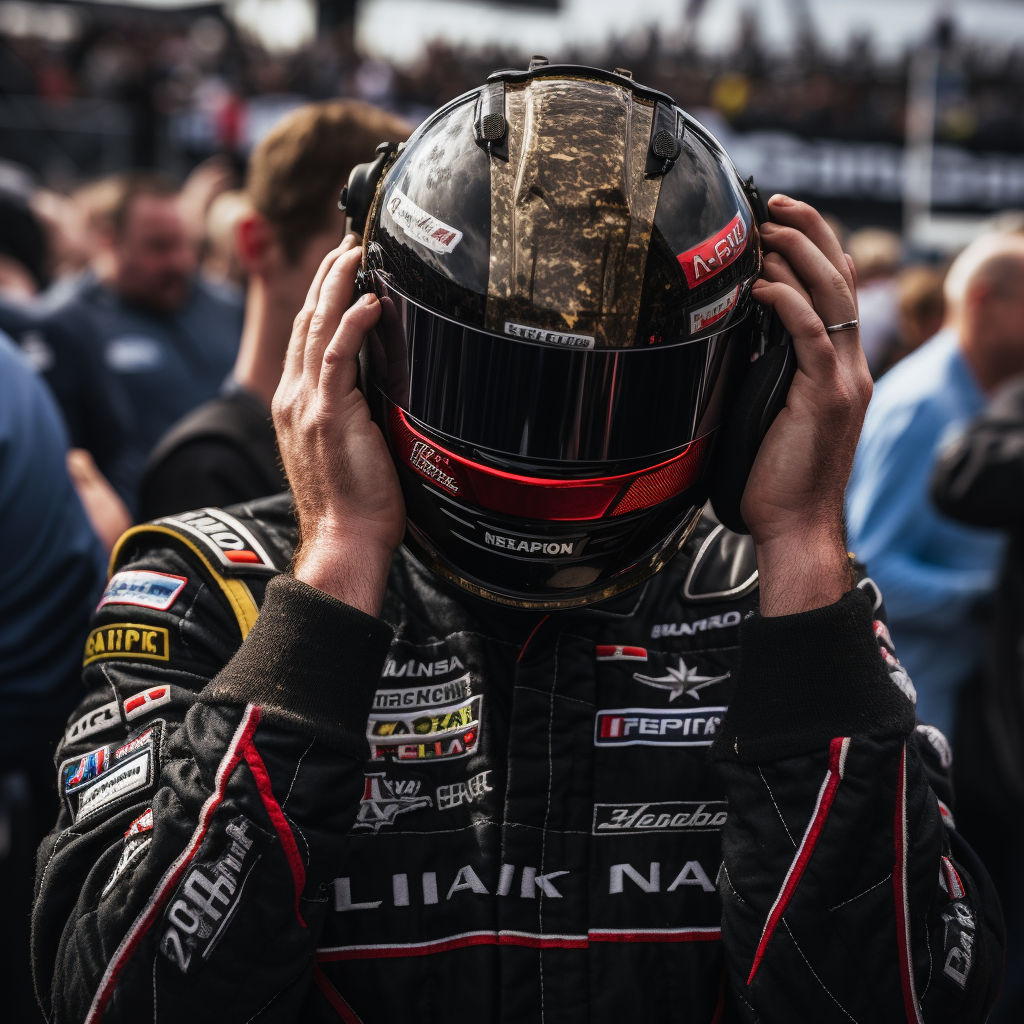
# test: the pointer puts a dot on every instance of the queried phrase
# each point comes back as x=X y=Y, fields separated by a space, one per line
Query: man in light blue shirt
x=935 y=573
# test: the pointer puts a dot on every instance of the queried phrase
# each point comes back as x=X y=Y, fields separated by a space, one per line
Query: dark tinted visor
x=545 y=402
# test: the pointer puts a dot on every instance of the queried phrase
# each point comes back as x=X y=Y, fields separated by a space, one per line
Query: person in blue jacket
x=936 y=574
x=51 y=575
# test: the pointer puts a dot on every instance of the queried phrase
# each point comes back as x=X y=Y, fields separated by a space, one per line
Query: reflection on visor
x=538 y=498
x=536 y=401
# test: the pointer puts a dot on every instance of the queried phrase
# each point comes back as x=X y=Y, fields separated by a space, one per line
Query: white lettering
x=618 y=871
x=343 y=897
x=692 y=874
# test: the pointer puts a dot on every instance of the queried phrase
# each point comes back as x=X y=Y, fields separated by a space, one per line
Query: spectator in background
x=221 y=266
x=163 y=333
x=920 y=311
x=935 y=573
x=51 y=574
x=96 y=412
x=876 y=255
x=225 y=451
x=980 y=480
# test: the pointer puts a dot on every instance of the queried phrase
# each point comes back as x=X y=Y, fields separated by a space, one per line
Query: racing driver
x=489 y=720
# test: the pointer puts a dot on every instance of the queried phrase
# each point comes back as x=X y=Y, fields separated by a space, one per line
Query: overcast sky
x=398 y=28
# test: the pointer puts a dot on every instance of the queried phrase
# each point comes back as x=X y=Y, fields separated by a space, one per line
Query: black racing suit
x=477 y=813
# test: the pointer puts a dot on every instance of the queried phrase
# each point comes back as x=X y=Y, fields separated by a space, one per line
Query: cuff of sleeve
x=804 y=679
x=311 y=662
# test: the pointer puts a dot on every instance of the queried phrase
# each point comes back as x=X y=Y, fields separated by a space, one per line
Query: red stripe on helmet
x=539 y=497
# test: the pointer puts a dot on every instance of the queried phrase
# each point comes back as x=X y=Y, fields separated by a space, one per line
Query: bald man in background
x=938 y=575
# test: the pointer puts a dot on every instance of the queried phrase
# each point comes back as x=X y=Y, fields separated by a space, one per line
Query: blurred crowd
x=190 y=87
x=144 y=319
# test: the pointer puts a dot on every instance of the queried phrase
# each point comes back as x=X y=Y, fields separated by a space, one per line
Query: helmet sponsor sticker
x=650 y=727
x=421 y=226
x=423 y=696
x=205 y=902
x=98 y=720
x=426 y=458
x=701 y=319
x=610 y=652
x=143 y=703
x=560 y=339
x=537 y=547
x=714 y=254
x=156 y=590
x=384 y=799
x=434 y=734
x=127 y=641
x=230 y=543
x=666 y=816
x=681 y=679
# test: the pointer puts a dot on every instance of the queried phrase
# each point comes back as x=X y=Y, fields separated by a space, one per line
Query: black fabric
x=806 y=678
x=223 y=453
x=321 y=677
x=537 y=833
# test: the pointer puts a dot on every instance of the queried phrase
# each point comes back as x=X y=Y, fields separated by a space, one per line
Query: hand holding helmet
x=572 y=356
x=347 y=497
x=793 y=502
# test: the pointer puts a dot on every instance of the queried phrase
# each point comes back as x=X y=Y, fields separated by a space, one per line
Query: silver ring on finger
x=846 y=325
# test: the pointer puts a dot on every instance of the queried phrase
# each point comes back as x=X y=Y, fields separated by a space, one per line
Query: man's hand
x=347 y=495
x=793 y=502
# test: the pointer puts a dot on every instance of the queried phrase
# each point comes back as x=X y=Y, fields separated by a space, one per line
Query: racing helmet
x=563 y=259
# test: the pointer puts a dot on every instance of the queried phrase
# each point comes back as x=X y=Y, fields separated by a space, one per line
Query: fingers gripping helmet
x=564 y=261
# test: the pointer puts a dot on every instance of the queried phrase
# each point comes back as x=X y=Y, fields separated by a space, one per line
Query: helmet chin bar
x=424 y=551
x=529 y=542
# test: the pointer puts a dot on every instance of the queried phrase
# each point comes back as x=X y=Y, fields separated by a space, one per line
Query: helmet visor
x=546 y=402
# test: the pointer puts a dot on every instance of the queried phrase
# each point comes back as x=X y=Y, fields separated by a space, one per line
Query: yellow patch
x=127 y=640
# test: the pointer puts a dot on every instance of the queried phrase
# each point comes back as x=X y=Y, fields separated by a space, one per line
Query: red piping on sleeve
x=899 y=882
x=836 y=767
x=284 y=830
x=155 y=905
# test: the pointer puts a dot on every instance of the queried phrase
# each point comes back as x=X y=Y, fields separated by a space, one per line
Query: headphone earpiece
x=358 y=195
x=761 y=397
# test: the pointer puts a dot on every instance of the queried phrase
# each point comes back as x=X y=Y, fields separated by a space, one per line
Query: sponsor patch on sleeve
x=135 y=843
x=649 y=727
x=145 y=701
x=228 y=540
x=92 y=722
x=131 y=641
x=421 y=226
x=156 y=590
x=106 y=774
x=210 y=894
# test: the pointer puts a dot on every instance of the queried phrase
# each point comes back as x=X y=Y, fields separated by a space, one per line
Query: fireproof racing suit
x=461 y=811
